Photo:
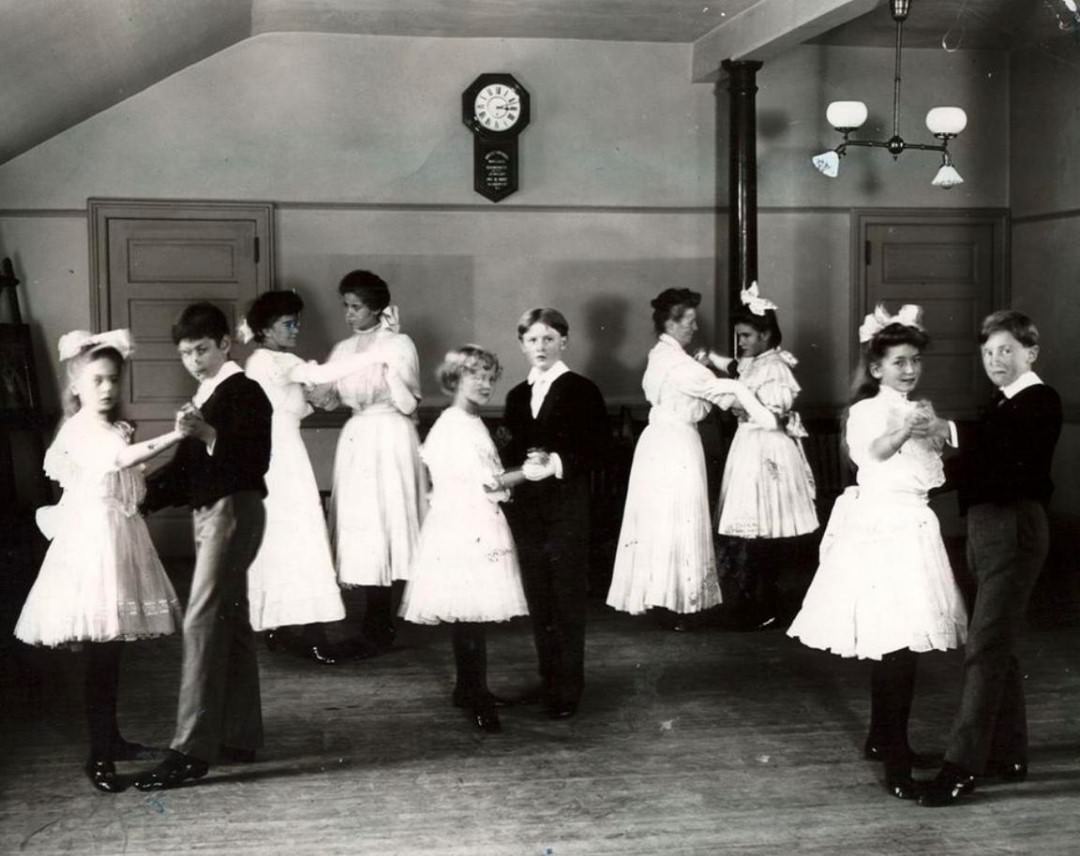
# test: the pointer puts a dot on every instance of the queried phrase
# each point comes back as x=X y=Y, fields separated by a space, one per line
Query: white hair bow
x=753 y=301
x=244 y=333
x=909 y=315
x=84 y=342
x=390 y=319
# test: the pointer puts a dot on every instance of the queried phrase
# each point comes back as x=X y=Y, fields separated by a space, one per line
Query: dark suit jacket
x=1007 y=455
x=573 y=423
x=241 y=414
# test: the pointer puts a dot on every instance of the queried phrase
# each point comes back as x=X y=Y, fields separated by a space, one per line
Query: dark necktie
x=998 y=398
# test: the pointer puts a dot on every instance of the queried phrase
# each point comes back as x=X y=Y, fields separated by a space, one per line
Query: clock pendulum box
x=495 y=107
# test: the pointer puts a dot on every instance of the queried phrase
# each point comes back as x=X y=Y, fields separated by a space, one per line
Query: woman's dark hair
x=766 y=324
x=268 y=307
x=200 y=321
x=369 y=287
x=865 y=385
x=670 y=304
x=553 y=318
x=465 y=360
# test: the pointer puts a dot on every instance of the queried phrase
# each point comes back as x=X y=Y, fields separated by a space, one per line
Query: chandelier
x=848 y=116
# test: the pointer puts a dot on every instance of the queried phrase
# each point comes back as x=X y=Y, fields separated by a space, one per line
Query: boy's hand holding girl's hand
x=923 y=422
x=190 y=423
x=538 y=465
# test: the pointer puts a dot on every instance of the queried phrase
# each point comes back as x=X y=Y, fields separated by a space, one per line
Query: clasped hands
x=538 y=465
x=191 y=423
x=924 y=423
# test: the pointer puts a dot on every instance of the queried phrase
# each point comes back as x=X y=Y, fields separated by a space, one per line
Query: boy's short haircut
x=1021 y=327
x=200 y=321
x=553 y=318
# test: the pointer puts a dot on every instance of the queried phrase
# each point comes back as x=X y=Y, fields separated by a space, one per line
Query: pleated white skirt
x=884 y=581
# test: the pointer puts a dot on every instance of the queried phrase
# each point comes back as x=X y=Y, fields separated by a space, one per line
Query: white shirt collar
x=1028 y=378
x=210 y=385
x=547 y=377
x=889 y=392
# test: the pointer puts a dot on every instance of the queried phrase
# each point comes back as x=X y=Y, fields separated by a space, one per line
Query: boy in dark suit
x=1003 y=475
x=218 y=471
x=559 y=430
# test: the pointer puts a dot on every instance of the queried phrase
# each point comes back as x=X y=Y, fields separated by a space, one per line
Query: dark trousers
x=102 y=682
x=554 y=558
x=892 y=689
x=470 y=658
x=1007 y=547
x=219 y=682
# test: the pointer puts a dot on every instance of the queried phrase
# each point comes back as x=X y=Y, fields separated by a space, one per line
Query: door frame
x=101 y=210
x=863 y=218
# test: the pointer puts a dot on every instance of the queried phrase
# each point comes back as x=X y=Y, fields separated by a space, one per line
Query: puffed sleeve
x=271 y=370
x=61 y=460
x=402 y=358
x=778 y=388
x=867 y=420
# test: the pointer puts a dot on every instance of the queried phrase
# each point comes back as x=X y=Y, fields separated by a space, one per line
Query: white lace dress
x=101 y=579
x=884 y=581
x=466 y=567
x=665 y=555
x=378 y=500
x=768 y=488
x=292 y=580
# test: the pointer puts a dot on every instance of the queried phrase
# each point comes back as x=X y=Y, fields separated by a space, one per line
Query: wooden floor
x=711 y=742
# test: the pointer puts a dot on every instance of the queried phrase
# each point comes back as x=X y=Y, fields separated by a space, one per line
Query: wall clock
x=495 y=107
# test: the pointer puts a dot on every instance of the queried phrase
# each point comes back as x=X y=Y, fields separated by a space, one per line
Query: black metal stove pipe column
x=742 y=177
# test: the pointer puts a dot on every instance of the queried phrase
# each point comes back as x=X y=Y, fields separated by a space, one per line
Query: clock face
x=497 y=107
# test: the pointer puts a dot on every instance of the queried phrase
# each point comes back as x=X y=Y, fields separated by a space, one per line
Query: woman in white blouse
x=380 y=490
x=665 y=557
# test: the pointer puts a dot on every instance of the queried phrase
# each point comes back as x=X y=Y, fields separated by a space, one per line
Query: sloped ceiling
x=65 y=60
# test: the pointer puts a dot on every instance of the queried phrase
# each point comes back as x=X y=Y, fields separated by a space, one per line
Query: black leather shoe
x=947 y=787
x=919 y=761
x=102 y=775
x=901 y=786
x=176 y=769
x=321 y=655
x=233 y=755
x=1007 y=771
x=486 y=718
x=126 y=750
x=562 y=710
x=274 y=641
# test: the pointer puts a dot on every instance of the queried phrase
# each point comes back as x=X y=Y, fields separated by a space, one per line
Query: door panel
x=953 y=267
x=149 y=261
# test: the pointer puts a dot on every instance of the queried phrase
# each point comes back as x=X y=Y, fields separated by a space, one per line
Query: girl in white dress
x=378 y=499
x=101 y=582
x=665 y=557
x=466 y=570
x=884 y=589
x=768 y=491
x=292 y=580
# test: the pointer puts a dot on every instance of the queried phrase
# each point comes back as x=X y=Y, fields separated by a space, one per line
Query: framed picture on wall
x=18 y=388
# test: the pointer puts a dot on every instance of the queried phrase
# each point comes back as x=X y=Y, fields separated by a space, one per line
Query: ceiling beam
x=768 y=28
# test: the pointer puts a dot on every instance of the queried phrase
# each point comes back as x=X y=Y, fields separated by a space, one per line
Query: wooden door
x=150 y=260
x=951 y=264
